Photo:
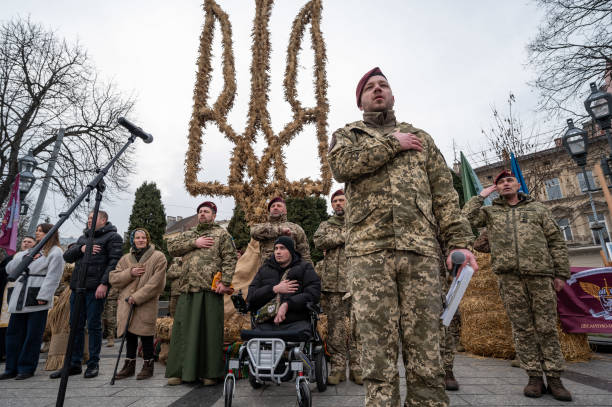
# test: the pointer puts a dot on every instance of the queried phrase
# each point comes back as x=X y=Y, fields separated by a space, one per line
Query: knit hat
x=207 y=204
x=288 y=243
x=133 y=233
x=504 y=174
x=364 y=79
x=335 y=194
x=276 y=199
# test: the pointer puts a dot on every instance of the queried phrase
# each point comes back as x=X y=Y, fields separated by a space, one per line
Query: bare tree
x=572 y=48
x=507 y=135
x=47 y=83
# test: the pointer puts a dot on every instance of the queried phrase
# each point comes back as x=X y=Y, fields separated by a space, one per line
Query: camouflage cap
x=364 y=79
x=207 y=204
x=503 y=174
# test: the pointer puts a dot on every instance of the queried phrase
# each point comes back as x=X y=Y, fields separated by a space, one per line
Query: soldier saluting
x=529 y=256
x=401 y=200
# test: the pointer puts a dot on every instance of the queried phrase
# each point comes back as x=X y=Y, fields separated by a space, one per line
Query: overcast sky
x=447 y=63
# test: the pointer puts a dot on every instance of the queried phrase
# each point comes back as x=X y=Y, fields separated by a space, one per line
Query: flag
x=516 y=170
x=10 y=222
x=470 y=182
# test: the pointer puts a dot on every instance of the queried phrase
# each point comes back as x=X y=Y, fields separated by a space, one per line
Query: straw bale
x=575 y=347
x=164 y=349
x=163 y=329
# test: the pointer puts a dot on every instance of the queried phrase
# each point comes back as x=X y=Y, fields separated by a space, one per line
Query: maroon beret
x=276 y=199
x=335 y=194
x=504 y=174
x=208 y=204
x=364 y=79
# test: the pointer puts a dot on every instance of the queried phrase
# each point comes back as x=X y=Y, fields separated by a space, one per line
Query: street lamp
x=26 y=178
x=599 y=106
x=576 y=143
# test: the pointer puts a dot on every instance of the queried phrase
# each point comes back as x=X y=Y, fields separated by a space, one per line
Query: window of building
x=553 y=189
x=564 y=225
x=582 y=183
x=604 y=231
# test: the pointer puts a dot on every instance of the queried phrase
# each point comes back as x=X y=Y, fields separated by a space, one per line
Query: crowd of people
x=379 y=282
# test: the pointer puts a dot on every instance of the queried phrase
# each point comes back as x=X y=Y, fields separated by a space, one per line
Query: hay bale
x=232 y=326
x=163 y=329
x=485 y=327
x=322 y=326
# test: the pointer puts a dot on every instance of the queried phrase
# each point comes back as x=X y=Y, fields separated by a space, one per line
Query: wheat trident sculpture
x=249 y=181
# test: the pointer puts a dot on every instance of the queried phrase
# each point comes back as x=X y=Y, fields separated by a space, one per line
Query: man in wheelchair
x=282 y=289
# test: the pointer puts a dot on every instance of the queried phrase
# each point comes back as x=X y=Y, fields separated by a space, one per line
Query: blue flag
x=516 y=170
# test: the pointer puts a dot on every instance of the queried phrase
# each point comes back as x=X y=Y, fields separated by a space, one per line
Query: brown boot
x=356 y=377
x=129 y=369
x=147 y=370
x=450 y=381
x=535 y=387
x=555 y=387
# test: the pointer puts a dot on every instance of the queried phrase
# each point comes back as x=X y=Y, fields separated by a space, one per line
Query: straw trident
x=249 y=180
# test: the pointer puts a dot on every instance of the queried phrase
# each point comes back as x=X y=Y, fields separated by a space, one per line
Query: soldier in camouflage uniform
x=196 y=346
x=174 y=274
x=277 y=225
x=529 y=256
x=341 y=341
x=109 y=316
x=401 y=200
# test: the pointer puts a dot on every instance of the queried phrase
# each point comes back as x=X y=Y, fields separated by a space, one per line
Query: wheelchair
x=279 y=356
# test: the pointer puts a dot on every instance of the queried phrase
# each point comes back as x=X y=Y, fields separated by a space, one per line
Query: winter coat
x=398 y=200
x=330 y=237
x=270 y=274
x=100 y=264
x=200 y=265
x=524 y=238
x=44 y=277
x=145 y=290
x=266 y=233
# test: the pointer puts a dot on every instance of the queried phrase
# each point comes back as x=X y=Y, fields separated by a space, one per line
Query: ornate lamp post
x=27 y=179
x=599 y=107
x=576 y=143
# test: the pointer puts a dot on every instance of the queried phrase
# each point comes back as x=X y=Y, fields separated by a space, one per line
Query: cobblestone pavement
x=483 y=381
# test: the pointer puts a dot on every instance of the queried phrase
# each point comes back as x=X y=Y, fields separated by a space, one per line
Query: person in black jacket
x=300 y=287
x=106 y=252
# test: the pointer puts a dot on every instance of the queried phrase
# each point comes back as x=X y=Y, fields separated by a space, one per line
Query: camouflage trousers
x=531 y=304
x=341 y=340
x=396 y=299
x=109 y=318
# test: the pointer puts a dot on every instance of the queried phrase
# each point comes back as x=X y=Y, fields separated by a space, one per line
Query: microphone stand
x=99 y=185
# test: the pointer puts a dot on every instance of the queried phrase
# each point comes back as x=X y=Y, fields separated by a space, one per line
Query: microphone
x=457 y=258
x=135 y=130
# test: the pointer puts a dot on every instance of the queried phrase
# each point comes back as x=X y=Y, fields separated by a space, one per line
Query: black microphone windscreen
x=457 y=258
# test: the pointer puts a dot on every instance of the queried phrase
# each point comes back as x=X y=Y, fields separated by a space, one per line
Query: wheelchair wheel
x=304 y=399
x=321 y=371
x=254 y=383
x=228 y=390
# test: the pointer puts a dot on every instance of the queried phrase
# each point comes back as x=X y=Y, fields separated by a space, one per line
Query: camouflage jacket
x=330 y=237
x=402 y=200
x=200 y=265
x=174 y=273
x=524 y=238
x=266 y=233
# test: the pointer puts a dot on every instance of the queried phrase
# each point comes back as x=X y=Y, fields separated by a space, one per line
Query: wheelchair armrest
x=314 y=308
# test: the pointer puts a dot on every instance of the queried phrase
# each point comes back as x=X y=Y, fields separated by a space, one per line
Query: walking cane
x=122 y=340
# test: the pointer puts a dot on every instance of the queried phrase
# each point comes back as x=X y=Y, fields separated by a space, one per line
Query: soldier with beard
x=277 y=225
x=341 y=339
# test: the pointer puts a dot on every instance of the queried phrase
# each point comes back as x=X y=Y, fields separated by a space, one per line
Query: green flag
x=470 y=182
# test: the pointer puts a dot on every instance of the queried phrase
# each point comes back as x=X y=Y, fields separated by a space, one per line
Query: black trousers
x=132 y=346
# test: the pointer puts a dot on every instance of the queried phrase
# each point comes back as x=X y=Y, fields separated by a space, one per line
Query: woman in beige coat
x=140 y=276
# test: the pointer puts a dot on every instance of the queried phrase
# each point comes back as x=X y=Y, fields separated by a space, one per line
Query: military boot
x=128 y=370
x=450 y=382
x=515 y=363
x=147 y=370
x=336 y=378
x=555 y=387
x=174 y=381
x=356 y=377
x=535 y=387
